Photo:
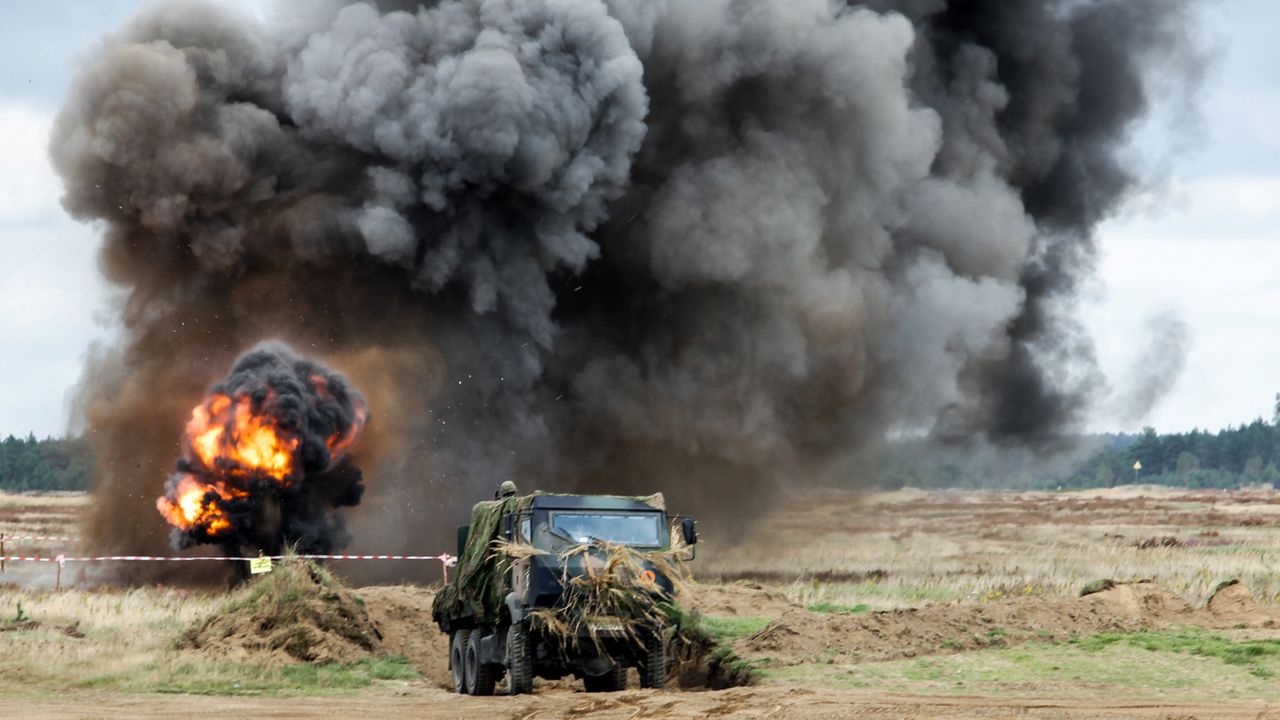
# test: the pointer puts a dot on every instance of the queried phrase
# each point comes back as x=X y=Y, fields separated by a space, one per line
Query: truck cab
x=501 y=611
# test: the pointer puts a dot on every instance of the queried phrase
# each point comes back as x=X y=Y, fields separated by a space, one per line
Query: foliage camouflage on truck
x=479 y=592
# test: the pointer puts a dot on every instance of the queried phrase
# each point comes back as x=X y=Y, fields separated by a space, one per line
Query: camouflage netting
x=479 y=589
x=609 y=586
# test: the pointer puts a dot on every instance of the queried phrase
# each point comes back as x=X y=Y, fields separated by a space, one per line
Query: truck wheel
x=612 y=681
x=480 y=676
x=653 y=671
x=457 y=659
x=519 y=660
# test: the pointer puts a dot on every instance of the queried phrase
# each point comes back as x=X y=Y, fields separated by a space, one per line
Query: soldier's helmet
x=505 y=490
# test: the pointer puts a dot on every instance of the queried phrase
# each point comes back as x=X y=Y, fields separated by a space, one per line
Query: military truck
x=489 y=611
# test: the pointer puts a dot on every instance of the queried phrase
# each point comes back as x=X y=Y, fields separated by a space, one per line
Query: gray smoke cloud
x=692 y=246
x=1158 y=366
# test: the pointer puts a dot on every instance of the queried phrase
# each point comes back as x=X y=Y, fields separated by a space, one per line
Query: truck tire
x=653 y=671
x=612 y=681
x=480 y=676
x=519 y=660
x=457 y=659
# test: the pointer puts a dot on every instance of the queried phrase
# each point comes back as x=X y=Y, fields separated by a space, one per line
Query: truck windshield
x=636 y=529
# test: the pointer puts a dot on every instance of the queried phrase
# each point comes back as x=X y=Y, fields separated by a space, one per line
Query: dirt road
x=776 y=703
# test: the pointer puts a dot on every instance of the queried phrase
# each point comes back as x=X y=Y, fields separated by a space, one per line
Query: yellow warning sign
x=259 y=565
x=1137 y=464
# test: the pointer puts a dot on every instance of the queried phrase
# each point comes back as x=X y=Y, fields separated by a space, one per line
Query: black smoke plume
x=697 y=246
x=265 y=463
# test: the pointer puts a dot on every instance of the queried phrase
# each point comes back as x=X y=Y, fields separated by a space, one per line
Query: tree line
x=28 y=464
x=1234 y=457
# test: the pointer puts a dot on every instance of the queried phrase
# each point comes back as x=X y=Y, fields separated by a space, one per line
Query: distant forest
x=1235 y=457
x=1231 y=458
x=28 y=464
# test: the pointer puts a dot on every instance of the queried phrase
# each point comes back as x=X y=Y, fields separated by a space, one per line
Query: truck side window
x=524 y=530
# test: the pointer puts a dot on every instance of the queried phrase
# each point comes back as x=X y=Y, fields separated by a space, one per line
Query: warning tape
x=446 y=559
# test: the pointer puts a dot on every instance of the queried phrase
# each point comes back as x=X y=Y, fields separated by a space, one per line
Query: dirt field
x=775 y=703
x=883 y=605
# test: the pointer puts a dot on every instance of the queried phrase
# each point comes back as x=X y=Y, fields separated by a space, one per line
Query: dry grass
x=609 y=592
x=825 y=548
x=77 y=500
x=124 y=634
x=127 y=641
x=911 y=548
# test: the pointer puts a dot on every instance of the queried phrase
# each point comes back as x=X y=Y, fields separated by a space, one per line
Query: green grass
x=728 y=629
x=205 y=676
x=825 y=607
x=1256 y=654
x=350 y=675
x=1189 y=665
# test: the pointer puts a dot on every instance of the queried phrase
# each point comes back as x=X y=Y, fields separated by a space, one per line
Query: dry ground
x=907 y=604
x=910 y=547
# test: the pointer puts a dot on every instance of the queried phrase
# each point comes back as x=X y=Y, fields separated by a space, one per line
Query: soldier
x=505 y=490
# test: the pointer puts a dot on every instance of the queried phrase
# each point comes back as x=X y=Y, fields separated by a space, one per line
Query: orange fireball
x=261 y=455
x=196 y=505
x=228 y=437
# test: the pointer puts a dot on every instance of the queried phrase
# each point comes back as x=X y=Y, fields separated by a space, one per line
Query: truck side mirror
x=689 y=528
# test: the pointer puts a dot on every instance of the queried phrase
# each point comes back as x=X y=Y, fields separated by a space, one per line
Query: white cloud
x=49 y=285
x=1213 y=256
x=28 y=187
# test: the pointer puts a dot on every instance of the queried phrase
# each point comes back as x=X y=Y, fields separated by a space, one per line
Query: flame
x=231 y=450
x=340 y=441
x=196 y=505
x=232 y=444
x=228 y=437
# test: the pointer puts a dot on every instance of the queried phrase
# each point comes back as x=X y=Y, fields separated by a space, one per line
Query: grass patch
x=1251 y=653
x=192 y=675
x=1191 y=669
x=703 y=650
x=728 y=629
x=344 y=676
x=833 y=608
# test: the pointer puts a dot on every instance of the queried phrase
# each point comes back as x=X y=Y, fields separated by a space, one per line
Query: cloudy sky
x=1204 y=244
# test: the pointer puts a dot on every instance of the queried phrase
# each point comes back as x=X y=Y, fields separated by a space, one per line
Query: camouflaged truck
x=489 y=610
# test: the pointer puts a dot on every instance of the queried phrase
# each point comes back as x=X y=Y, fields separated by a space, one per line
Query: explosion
x=704 y=246
x=261 y=456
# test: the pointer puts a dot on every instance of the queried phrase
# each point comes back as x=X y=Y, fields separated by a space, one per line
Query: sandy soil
x=774 y=703
x=799 y=635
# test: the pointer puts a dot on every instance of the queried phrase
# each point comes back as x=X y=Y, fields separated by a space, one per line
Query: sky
x=1203 y=243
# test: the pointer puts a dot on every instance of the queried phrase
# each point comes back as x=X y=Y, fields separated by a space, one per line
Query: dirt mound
x=1233 y=603
x=803 y=636
x=735 y=599
x=402 y=614
x=1143 y=603
x=298 y=611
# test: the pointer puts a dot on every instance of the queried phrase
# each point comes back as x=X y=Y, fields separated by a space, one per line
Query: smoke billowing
x=626 y=245
x=265 y=462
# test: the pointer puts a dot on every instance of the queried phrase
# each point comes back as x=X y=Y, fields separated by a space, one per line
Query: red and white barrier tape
x=447 y=559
